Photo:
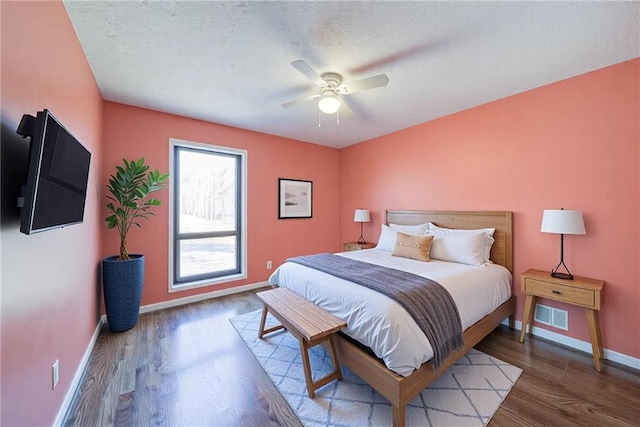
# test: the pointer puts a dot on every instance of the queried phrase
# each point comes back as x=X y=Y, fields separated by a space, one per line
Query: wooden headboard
x=502 y=249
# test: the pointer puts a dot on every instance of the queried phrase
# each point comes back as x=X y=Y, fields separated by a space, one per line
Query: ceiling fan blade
x=299 y=101
x=367 y=83
x=305 y=69
x=345 y=108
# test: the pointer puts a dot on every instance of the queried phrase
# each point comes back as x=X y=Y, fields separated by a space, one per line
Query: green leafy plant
x=130 y=197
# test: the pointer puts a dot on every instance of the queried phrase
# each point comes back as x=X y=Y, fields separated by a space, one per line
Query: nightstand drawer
x=560 y=292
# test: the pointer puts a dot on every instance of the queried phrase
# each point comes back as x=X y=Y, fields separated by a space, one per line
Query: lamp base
x=565 y=276
x=554 y=272
x=562 y=276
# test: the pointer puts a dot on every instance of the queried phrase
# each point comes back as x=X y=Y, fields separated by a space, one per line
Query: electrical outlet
x=269 y=265
x=55 y=374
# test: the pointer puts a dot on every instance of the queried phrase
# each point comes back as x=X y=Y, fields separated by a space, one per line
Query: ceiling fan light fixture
x=329 y=103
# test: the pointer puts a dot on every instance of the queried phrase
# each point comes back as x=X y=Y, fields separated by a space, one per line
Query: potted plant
x=122 y=275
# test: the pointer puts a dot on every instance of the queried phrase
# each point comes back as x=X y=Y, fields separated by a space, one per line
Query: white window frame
x=177 y=287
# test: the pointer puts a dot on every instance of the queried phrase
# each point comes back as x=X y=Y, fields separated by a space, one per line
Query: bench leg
x=307 y=367
x=312 y=386
x=263 y=320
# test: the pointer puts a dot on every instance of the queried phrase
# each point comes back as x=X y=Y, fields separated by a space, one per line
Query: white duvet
x=382 y=324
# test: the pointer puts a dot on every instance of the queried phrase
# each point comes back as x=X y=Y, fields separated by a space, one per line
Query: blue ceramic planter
x=122 y=287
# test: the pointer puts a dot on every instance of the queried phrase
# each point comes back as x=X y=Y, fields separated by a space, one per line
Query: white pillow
x=488 y=242
x=464 y=248
x=388 y=234
x=387 y=239
x=412 y=230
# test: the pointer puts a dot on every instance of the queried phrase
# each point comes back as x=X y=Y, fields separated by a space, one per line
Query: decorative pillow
x=488 y=242
x=413 y=247
x=464 y=248
x=387 y=239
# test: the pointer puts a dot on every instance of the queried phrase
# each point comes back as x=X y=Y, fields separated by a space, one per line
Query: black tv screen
x=57 y=176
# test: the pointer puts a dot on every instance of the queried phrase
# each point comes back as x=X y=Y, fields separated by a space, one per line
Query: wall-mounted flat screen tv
x=57 y=176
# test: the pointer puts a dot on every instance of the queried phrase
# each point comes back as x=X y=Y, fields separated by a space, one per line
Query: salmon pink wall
x=132 y=132
x=572 y=144
x=49 y=280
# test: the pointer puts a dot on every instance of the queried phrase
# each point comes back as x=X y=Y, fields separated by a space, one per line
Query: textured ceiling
x=229 y=62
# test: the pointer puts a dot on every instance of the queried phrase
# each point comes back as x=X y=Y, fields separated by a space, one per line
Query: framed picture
x=295 y=198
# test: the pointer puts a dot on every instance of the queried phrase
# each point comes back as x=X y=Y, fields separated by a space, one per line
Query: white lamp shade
x=562 y=221
x=329 y=103
x=362 y=215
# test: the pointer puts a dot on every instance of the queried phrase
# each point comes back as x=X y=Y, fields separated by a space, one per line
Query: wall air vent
x=552 y=317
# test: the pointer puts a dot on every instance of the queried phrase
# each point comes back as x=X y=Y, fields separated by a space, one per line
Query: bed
x=402 y=375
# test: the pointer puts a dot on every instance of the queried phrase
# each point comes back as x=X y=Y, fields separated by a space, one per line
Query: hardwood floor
x=560 y=387
x=187 y=366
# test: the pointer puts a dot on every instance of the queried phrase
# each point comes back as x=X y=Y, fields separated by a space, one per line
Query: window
x=208 y=210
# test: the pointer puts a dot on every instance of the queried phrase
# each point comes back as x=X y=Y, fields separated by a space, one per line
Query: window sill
x=173 y=287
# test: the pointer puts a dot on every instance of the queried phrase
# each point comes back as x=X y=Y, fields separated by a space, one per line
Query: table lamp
x=561 y=221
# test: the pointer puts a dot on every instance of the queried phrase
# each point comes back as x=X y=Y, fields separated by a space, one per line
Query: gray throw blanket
x=428 y=302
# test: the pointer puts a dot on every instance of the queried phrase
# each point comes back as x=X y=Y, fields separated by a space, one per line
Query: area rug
x=468 y=394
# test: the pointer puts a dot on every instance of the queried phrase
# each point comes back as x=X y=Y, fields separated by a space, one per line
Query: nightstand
x=355 y=246
x=580 y=291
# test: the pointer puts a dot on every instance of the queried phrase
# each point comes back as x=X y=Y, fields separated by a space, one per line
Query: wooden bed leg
x=512 y=322
x=334 y=357
x=397 y=415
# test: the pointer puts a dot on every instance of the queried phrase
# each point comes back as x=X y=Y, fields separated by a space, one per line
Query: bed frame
x=401 y=390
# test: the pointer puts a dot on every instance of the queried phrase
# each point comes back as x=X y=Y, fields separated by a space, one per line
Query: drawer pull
x=556 y=292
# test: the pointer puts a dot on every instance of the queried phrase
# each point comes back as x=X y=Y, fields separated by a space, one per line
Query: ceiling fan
x=332 y=89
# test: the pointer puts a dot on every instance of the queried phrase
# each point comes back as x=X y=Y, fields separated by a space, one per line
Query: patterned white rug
x=468 y=394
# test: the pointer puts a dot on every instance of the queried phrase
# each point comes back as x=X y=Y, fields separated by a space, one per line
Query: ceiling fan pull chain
x=338 y=117
x=319 y=119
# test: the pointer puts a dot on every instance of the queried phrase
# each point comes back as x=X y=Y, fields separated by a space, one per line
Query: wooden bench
x=310 y=324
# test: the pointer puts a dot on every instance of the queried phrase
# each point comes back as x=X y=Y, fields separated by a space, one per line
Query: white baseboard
x=75 y=383
x=614 y=356
x=201 y=297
